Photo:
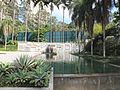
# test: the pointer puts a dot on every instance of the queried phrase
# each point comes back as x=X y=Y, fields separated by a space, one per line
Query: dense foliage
x=112 y=43
x=25 y=72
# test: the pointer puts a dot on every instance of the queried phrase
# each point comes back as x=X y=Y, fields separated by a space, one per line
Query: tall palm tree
x=14 y=15
x=100 y=14
x=27 y=6
x=6 y=29
x=83 y=12
x=51 y=32
x=63 y=23
x=39 y=14
x=102 y=7
x=6 y=21
x=1 y=10
x=119 y=6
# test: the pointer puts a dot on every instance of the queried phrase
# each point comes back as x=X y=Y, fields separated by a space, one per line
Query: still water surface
x=68 y=64
x=65 y=63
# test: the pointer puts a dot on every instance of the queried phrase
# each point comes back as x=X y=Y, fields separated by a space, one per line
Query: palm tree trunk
x=119 y=6
x=1 y=11
x=26 y=26
x=90 y=23
x=26 y=21
x=91 y=45
x=5 y=35
x=84 y=36
x=5 y=42
x=79 y=39
x=103 y=29
x=91 y=38
x=79 y=42
x=13 y=22
x=51 y=36
x=39 y=22
x=63 y=22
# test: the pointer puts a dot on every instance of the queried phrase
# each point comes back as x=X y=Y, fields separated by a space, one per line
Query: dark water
x=81 y=65
x=69 y=64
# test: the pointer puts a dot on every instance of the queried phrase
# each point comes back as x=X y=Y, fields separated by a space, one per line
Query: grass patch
x=8 y=48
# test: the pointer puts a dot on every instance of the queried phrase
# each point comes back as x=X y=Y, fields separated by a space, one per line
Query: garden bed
x=50 y=87
x=26 y=73
x=8 y=48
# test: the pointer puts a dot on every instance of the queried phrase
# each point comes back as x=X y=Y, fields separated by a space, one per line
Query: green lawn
x=8 y=48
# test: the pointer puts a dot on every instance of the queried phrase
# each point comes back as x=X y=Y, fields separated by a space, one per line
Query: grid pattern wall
x=21 y=36
x=59 y=36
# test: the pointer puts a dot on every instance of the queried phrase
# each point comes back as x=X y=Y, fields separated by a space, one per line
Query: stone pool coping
x=85 y=75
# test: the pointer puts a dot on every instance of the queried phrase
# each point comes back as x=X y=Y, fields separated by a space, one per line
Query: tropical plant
x=97 y=29
x=4 y=68
x=25 y=72
x=10 y=42
x=5 y=29
x=24 y=63
x=22 y=78
x=40 y=76
x=86 y=18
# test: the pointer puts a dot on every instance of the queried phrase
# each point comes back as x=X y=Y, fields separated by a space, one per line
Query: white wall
x=41 y=47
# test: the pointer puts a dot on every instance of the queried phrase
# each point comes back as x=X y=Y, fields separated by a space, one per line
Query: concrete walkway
x=8 y=56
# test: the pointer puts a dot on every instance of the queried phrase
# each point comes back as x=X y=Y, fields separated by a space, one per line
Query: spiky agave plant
x=25 y=63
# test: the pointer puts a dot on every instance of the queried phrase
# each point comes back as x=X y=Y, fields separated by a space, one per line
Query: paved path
x=11 y=56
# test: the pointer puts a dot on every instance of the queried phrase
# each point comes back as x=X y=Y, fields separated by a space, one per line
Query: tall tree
x=63 y=23
x=39 y=19
x=27 y=12
x=102 y=7
x=6 y=29
x=83 y=12
x=14 y=16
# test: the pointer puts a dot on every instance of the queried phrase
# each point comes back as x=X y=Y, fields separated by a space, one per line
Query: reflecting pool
x=98 y=71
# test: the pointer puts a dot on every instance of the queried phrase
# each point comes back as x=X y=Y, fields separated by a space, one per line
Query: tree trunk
x=91 y=38
x=26 y=22
x=119 y=7
x=79 y=43
x=1 y=11
x=90 y=23
x=51 y=38
x=103 y=29
x=13 y=22
x=26 y=30
x=84 y=39
x=79 y=39
x=63 y=23
x=5 y=41
x=39 y=22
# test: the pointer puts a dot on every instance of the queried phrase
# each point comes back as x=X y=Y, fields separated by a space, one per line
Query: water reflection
x=49 y=56
x=65 y=63
x=83 y=66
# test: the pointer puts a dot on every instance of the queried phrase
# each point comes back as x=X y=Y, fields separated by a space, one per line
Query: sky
x=58 y=13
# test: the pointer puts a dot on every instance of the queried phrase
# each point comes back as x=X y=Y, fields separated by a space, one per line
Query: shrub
x=25 y=72
x=10 y=42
